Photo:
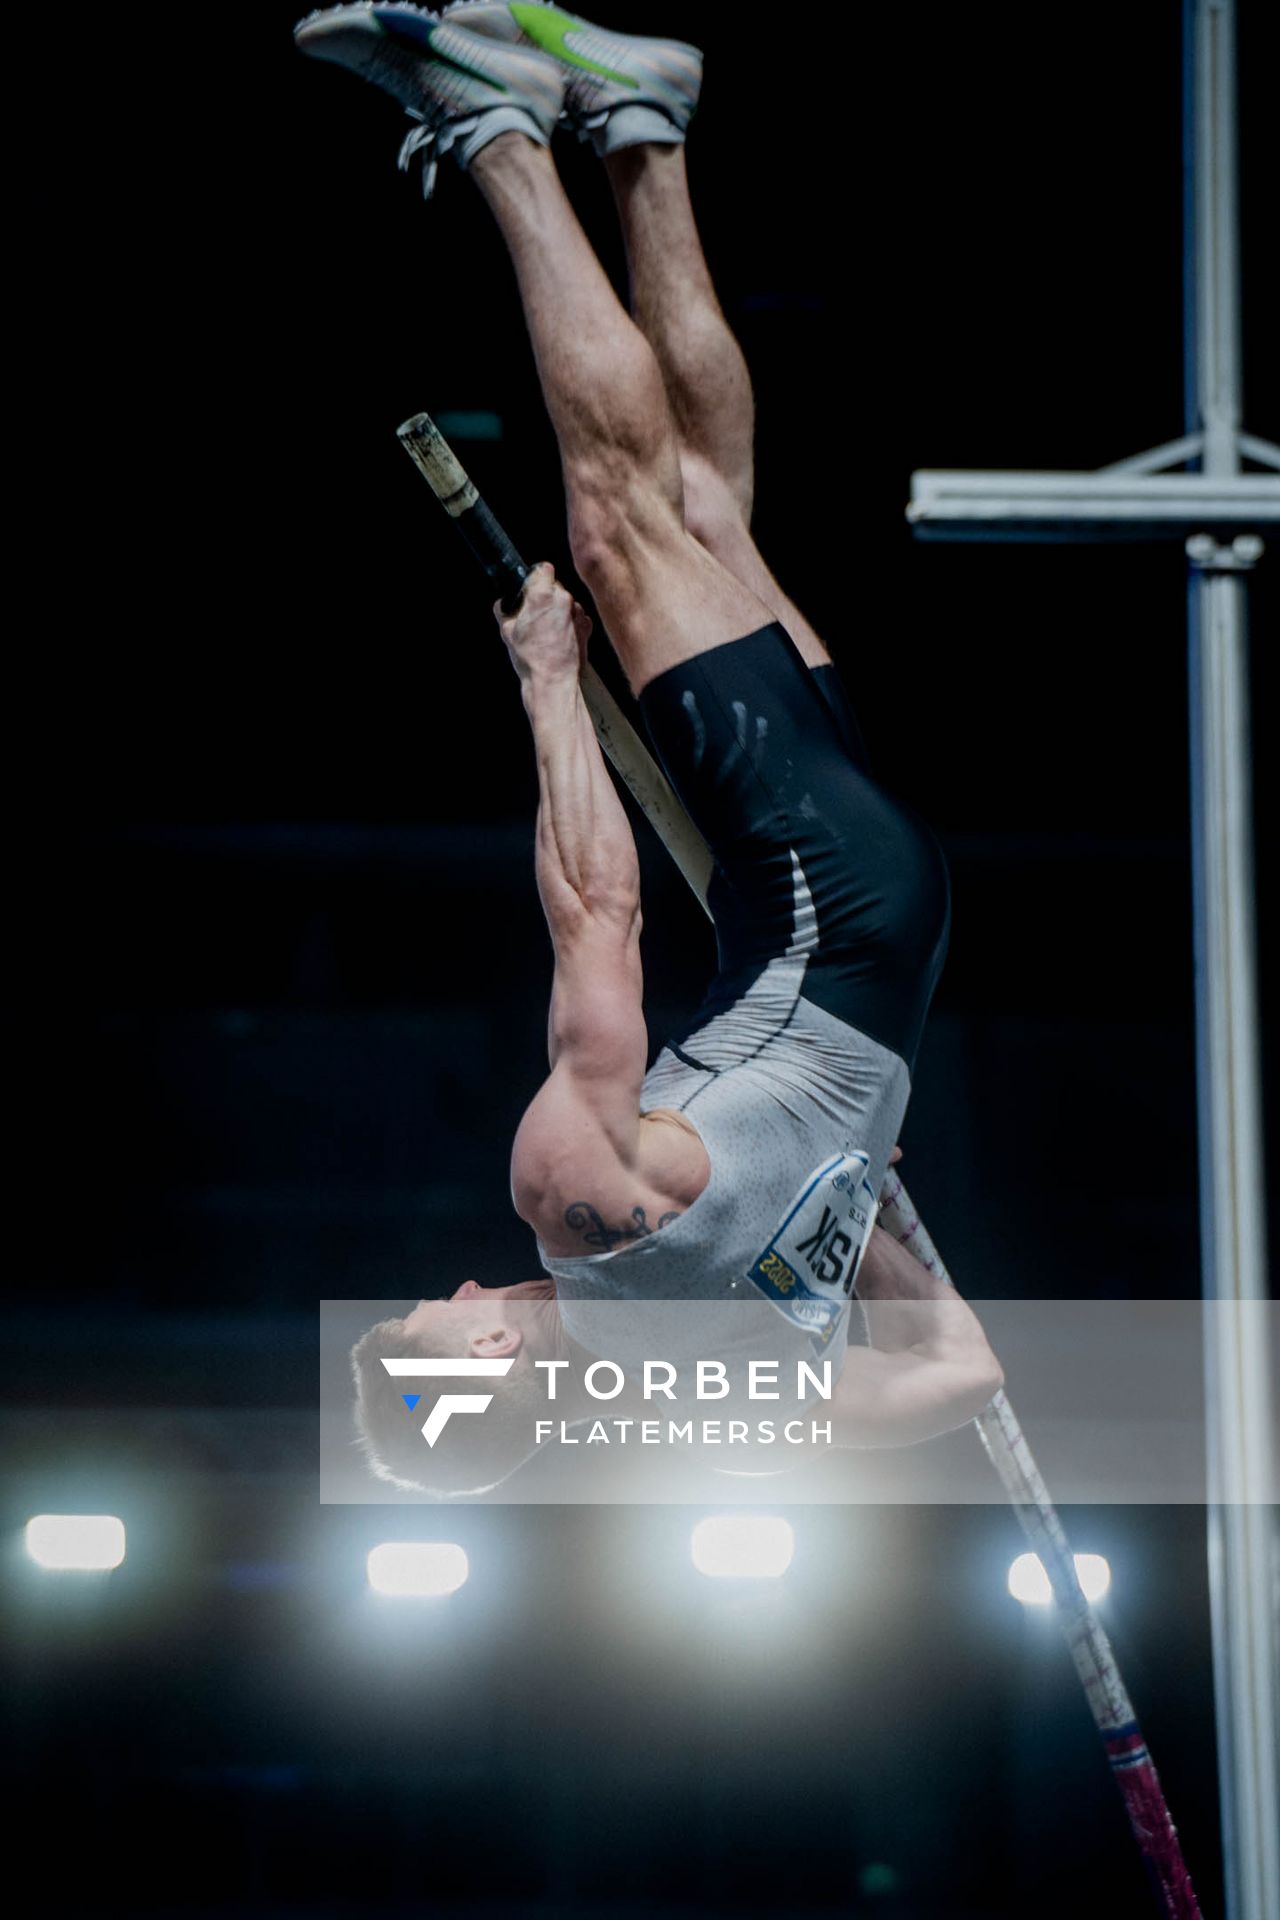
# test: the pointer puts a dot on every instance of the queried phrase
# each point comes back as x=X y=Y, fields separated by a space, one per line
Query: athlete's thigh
x=668 y=600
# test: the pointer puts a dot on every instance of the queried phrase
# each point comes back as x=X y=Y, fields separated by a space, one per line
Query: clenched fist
x=547 y=634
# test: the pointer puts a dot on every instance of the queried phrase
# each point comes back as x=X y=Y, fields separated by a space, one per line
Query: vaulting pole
x=1131 y=1764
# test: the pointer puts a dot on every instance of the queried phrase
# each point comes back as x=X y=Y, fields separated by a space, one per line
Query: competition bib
x=808 y=1268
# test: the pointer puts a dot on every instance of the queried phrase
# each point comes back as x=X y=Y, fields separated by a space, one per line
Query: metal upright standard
x=1222 y=512
x=1233 y=1225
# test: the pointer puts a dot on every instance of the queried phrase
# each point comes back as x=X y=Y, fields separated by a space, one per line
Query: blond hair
x=470 y=1456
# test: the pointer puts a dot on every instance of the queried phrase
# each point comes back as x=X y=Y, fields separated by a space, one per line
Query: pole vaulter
x=998 y=1426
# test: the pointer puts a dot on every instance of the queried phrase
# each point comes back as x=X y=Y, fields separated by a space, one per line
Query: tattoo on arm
x=582 y=1217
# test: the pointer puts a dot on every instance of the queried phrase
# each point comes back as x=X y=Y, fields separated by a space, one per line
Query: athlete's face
x=480 y=1314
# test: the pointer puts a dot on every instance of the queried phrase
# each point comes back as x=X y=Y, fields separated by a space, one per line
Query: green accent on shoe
x=549 y=29
x=436 y=58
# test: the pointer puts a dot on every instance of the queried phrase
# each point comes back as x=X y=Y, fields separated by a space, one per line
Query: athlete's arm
x=929 y=1368
x=583 y=1149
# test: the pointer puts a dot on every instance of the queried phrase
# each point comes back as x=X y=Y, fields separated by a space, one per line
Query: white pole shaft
x=1131 y=1764
x=648 y=786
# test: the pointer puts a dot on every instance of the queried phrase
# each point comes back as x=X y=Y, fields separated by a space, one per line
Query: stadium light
x=76 y=1542
x=743 y=1546
x=417 y=1569
x=1029 y=1583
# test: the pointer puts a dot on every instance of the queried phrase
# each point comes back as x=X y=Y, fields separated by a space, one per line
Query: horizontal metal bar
x=957 y=505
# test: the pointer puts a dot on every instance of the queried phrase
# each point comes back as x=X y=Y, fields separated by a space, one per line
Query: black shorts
x=810 y=853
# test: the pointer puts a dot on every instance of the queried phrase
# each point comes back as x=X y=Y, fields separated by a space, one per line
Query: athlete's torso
x=775 y=1087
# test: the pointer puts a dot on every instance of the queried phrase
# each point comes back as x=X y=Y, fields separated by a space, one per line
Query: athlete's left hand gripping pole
x=444 y=473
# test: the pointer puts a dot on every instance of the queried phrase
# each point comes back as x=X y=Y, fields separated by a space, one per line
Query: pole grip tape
x=635 y=766
x=448 y=479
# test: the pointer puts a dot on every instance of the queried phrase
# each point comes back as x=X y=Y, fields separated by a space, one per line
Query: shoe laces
x=421 y=139
x=431 y=142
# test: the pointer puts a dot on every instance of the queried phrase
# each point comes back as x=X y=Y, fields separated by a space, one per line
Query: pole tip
x=417 y=427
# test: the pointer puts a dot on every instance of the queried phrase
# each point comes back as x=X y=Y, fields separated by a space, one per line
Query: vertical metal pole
x=1230 y=1124
x=1212 y=233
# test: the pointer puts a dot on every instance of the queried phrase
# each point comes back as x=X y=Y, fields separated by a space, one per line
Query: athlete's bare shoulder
x=616 y=1202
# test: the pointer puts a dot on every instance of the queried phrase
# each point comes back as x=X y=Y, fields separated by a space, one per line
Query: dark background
x=282 y=992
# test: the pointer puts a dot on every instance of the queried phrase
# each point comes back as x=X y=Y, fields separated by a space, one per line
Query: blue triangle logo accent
x=411 y=1400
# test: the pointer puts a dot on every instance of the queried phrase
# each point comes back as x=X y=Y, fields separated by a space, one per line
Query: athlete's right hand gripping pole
x=1131 y=1763
x=1001 y=1433
x=444 y=473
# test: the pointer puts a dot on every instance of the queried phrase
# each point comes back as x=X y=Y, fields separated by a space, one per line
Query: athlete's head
x=470 y=1454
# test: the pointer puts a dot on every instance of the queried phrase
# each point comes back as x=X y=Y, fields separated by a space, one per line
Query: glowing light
x=1029 y=1583
x=417 y=1568
x=76 y=1542
x=743 y=1546
x=1094 y=1574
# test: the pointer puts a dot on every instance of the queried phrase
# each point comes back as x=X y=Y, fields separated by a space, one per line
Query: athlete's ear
x=501 y=1342
x=895 y=1156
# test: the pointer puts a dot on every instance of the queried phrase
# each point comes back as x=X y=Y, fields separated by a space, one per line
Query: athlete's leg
x=634 y=96
x=675 y=306
x=662 y=596
x=708 y=386
x=491 y=98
